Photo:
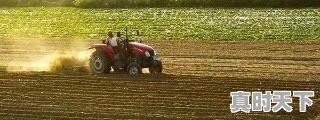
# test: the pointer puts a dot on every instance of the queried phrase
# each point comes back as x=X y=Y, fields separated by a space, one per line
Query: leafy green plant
x=163 y=23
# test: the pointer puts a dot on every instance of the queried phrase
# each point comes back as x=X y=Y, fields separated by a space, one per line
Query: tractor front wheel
x=134 y=69
x=156 y=68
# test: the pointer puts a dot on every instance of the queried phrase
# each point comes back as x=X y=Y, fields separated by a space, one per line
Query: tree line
x=34 y=3
x=160 y=3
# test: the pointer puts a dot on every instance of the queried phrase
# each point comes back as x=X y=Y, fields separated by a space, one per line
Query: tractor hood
x=141 y=49
x=141 y=46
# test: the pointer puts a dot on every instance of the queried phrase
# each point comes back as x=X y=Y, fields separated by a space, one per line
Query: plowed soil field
x=196 y=84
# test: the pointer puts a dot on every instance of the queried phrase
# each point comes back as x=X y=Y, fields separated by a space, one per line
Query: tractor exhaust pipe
x=127 y=38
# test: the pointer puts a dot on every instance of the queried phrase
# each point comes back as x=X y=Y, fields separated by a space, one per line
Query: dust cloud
x=46 y=55
x=55 y=62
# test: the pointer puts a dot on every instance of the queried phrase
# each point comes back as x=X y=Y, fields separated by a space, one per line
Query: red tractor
x=132 y=58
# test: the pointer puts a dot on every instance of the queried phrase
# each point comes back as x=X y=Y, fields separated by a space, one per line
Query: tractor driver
x=118 y=38
x=111 y=40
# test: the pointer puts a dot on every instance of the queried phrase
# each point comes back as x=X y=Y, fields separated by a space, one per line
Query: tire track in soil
x=198 y=88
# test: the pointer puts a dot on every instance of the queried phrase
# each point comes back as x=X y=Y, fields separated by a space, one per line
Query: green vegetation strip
x=163 y=23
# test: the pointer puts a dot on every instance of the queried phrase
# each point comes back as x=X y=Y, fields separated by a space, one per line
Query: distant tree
x=89 y=3
x=159 y=3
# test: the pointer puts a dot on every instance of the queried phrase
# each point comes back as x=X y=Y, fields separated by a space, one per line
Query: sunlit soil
x=197 y=81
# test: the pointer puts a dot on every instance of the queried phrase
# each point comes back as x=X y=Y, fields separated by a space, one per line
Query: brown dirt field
x=198 y=79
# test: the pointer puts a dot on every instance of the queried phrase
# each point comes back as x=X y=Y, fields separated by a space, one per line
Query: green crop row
x=163 y=3
x=163 y=23
x=195 y=3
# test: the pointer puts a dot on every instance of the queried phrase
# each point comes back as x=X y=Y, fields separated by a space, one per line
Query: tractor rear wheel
x=99 y=63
